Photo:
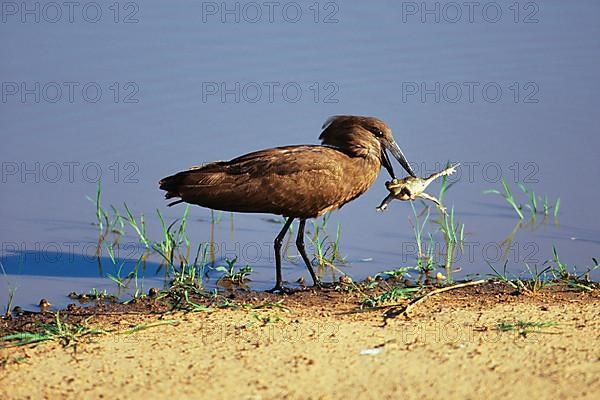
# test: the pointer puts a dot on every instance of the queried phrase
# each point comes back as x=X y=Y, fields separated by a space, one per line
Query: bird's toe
x=279 y=289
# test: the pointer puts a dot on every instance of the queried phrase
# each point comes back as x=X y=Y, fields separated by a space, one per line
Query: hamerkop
x=303 y=181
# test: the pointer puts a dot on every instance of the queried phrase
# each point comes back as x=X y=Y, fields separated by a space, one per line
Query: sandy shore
x=321 y=348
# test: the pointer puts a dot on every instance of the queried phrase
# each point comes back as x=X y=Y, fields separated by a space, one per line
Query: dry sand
x=450 y=348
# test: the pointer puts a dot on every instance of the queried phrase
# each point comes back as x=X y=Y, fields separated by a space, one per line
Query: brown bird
x=303 y=181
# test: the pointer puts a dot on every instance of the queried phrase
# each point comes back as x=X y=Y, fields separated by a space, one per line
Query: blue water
x=159 y=87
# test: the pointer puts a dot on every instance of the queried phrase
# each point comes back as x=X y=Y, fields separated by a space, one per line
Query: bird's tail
x=172 y=185
x=194 y=185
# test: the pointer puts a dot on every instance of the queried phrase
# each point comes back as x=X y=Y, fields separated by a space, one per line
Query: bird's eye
x=377 y=132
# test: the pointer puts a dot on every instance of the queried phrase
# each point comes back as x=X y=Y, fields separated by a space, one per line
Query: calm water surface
x=152 y=88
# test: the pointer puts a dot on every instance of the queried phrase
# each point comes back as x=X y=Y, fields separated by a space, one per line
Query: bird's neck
x=364 y=171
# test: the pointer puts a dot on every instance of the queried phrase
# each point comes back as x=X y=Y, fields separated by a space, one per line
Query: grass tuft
x=523 y=328
x=533 y=201
x=391 y=295
x=233 y=276
x=64 y=333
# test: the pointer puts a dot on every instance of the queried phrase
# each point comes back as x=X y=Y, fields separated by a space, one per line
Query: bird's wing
x=292 y=181
x=284 y=161
x=279 y=161
x=255 y=168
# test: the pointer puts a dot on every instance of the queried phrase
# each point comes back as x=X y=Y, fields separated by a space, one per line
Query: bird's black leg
x=278 y=242
x=302 y=250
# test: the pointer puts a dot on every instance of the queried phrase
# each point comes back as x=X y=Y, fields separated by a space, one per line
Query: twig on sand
x=396 y=310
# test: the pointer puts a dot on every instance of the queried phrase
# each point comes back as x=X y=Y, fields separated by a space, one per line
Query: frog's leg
x=435 y=200
x=448 y=171
x=385 y=202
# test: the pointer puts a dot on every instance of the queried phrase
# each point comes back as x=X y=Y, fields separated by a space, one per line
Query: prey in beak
x=393 y=147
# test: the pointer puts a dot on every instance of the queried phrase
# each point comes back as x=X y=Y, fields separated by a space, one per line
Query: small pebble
x=370 y=352
x=44 y=304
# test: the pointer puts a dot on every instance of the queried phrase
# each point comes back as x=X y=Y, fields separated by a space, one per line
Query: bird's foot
x=280 y=289
x=323 y=285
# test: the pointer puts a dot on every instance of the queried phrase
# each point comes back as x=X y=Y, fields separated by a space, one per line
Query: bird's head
x=364 y=136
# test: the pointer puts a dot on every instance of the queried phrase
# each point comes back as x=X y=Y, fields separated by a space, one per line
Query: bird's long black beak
x=385 y=161
x=398 y=155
